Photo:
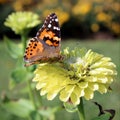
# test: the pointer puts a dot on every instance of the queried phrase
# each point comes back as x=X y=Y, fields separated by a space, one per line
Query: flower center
x=80 y=73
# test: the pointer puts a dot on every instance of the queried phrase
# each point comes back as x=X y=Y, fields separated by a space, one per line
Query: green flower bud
x=19 y=22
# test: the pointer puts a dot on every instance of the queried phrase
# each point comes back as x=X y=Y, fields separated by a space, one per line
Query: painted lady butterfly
x=46 y=45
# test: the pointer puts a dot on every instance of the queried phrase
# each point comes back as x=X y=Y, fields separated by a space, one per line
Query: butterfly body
x=46 y=45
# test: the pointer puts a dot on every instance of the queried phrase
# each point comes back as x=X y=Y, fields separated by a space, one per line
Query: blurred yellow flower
x=103 y=17
x=19 y=4
x=98 y=1
x=110 y=1
x=4 y=1
x=116 y=6
x=95 y=27
x=98 y=9
x=82 y=8
x=80 y=75
x=62 y=15
x=116 y=27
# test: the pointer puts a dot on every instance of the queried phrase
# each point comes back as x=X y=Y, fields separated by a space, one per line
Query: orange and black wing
x=46 y=44
x=50 y=31
x=33 y=50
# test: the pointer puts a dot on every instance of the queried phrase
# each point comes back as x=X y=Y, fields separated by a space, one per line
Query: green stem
x=24 y=38
x=31 y=94
x=81 y=110
x=39 y=99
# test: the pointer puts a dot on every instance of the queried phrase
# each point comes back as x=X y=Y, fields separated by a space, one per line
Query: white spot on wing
x=52 y=19
x=56 y=20
x=49 y=25
x=56 y=28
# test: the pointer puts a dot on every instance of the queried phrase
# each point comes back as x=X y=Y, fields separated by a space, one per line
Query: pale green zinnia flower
x=19 y=22
x=80 y=74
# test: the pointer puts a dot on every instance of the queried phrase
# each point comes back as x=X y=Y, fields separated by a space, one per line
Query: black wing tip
x=53 y=14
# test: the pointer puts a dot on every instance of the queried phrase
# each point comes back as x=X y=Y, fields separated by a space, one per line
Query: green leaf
x=103 y=117
x=21 y=108
x=35 y=115
x=49 y=113
x=15 y=50
x=19 y=74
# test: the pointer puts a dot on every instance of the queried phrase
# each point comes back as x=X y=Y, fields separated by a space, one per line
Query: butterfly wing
x=46 y=44
x=33 y=50
x=50 y=31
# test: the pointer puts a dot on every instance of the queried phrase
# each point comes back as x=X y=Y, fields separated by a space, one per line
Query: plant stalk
x=31 y=94
x=81 y=110
x=24 y=37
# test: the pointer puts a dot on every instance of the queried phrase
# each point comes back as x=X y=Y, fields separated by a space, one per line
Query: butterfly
x=46 y=45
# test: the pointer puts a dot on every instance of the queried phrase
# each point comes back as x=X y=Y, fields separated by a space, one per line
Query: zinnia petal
x=80 y=74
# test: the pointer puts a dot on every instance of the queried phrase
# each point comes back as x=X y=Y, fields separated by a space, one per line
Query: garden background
x=93 y=24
